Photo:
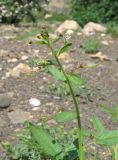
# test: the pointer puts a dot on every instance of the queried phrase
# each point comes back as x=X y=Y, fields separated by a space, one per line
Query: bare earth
x=101 y=78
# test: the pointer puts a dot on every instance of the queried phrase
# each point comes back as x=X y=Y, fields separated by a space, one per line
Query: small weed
x=92 y=45
x=112 y=111
x=41 y=63
x=35 y=62
x=57 y=143
x=60 y=90
x=113 y=29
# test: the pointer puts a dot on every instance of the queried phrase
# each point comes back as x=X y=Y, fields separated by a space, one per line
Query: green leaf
x=112 y=111
x=41 y=41
x=107 y=109
x=64 y=48
x=76 y=80
x=108 y=138
x=97 y=124
x=56 y=73
x=47 y=144
x=65 y=116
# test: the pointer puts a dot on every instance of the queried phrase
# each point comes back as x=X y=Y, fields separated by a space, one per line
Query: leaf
x=64 y=48
x=65 y=116
x=108 y=138
x=47 y=144
x=107 y=109
x=56 y=73
x=113 y=112
x=76 y=80
x=97 y=124
x=41 y=41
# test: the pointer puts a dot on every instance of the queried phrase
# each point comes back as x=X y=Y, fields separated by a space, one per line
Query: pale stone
x=67 y=25
x=48 y=16
x=105 y=43
x=70 y=32
x=24 y=57
x=20 y=68
x=79 y=33
x=23 y=68
x=91 y=27
x=35 y=109
x=13 y=60
x=34 y=102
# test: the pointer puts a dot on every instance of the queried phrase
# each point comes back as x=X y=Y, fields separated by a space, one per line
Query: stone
x=24 y=57
x=67 y=25
x=13 y=60
x=105 y=43
x=20 y=68
x=18 y=116
x=34 y=102
x=35 y=109
x=23 y=68
x=5 y=101
x=48 y=16
x=91 y=27
x=70 y=32
x=79 y=33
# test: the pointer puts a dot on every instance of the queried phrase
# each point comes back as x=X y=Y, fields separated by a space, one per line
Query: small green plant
x=115 y=152
x=113 y=29
x=92 y=45
x=59 y=89
x=58 y=143
x=112 y=111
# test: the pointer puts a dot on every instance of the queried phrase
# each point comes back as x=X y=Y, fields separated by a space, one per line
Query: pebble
x=105 y=43
x=35 y=109
x=24 y=57
x=34 y=102
x=12 y=60
x=5 y=101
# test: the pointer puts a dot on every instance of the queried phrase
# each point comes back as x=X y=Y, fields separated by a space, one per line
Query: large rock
x=68 y=25
x=91 y=27
x=5 y=101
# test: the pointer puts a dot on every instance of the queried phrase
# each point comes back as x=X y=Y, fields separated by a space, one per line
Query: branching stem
x=80 y=134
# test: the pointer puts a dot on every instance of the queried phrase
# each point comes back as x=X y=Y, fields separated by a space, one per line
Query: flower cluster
x=13 y=11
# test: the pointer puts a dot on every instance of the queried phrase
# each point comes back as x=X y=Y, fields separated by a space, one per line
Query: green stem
x=80 y=134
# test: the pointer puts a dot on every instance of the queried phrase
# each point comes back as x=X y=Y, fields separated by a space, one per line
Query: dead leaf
x=100 y=56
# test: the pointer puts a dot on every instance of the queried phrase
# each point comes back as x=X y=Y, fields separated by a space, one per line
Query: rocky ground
x=18 y=86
